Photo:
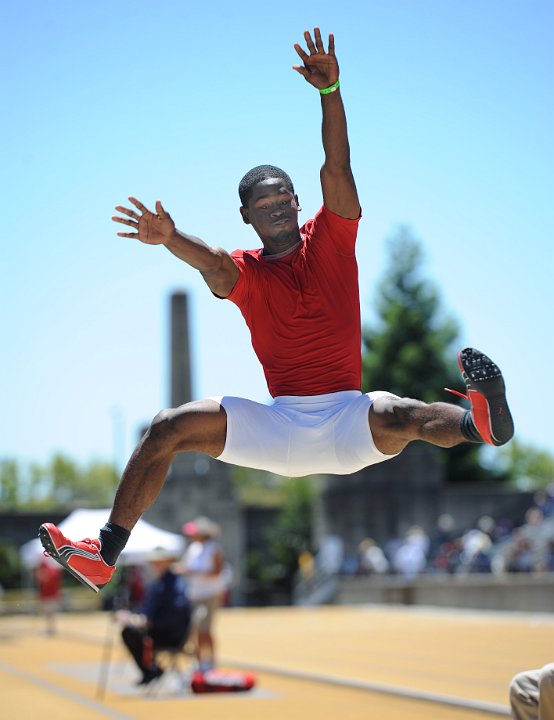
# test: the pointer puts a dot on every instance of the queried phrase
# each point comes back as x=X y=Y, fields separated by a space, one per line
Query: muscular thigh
x=199 y=426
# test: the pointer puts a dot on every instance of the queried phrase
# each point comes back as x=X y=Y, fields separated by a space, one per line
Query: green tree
x=64 y=477
x=10 y=566
x=9 y=483
x=528 y=467
x=410 y=349
x=293 y=532
x=93 y=485
x=98 y=482
x=272 y=566
x=58 y=483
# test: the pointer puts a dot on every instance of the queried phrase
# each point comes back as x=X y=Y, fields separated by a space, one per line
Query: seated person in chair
x=165 y=618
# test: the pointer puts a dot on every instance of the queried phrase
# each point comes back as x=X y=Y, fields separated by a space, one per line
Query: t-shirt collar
x=283 y=254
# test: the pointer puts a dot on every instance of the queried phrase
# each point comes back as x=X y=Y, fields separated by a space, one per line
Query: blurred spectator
x=528 y=548
x=502 y=531
x=306 y=565
x=371 y=559
x=520 y=556
x=331 y=554
x=543 y=500
x=486 y=524
x=447 y=557
x=411 y=557
x=549 y=559
x=532 y=694
x=350 y=565
x=532 y=527
x=227 y=580
x=491 y=546
x=203 y=564
x=307 y=573
x=165 y=617
x=444 y=532
x=475 y=550
x=48 y=578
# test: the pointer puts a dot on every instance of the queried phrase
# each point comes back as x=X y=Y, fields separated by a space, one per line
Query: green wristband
x=330 y=89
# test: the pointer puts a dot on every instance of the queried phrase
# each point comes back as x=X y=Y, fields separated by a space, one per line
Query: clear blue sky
x=450 y=108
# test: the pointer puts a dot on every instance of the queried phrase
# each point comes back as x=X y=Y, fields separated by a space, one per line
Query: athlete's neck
x=278 y=256
x=280 y=245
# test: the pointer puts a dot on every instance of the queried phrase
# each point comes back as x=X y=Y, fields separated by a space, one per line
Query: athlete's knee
x=396 y=414
x=393 y=423
x=199 y=425
x=168 y=429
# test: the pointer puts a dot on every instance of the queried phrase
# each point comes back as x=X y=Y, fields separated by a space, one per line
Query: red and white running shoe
x=82 y=558
x=487 y=394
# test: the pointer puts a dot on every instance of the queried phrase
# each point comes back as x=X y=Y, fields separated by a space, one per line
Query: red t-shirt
x=49 y=580
x=303 y=309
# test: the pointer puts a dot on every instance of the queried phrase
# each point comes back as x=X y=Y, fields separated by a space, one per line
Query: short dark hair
x=256 y=175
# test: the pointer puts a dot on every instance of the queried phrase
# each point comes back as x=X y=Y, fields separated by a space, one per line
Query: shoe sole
x=487 y=394
x=50 y=547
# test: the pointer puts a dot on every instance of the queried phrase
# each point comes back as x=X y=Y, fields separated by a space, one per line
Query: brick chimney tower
x=180 y=387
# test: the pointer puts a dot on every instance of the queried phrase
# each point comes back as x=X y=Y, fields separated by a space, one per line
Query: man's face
x=272 y=211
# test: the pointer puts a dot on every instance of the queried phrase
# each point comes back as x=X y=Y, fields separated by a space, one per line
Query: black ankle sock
x=469 y=431
x=113 y=539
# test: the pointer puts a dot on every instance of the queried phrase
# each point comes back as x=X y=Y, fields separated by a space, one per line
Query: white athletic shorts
x=296 y=436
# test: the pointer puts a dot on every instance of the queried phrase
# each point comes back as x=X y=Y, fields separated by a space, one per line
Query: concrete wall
x=513 y=592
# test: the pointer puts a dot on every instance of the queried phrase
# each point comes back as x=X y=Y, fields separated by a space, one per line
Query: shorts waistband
x=311 y=399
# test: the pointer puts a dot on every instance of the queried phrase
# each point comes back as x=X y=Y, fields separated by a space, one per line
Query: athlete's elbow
x=339 y=168
x=221 y=274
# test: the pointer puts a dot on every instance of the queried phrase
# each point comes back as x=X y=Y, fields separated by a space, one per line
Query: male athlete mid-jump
x=299 y=297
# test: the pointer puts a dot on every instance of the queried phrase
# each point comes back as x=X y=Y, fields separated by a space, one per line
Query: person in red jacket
x=48 y=578
x=299 y=297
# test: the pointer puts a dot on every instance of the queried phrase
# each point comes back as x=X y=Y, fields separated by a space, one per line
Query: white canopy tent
x=86 y=523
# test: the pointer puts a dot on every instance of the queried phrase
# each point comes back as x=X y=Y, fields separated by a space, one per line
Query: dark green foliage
x=293 y=533
x=271 y=569
x=59 y=483
x=9 y=483
x=527 y=466
x=10 y=566
x=411 y=351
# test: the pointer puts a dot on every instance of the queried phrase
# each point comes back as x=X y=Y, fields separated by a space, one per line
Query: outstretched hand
x=320 y=68
x=151 y=228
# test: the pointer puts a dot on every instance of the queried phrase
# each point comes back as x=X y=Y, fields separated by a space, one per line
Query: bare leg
x=395 y=422
x=197 y=426
x=206 y=650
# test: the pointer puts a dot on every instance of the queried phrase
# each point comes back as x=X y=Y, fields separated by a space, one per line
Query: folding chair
x=171 y=660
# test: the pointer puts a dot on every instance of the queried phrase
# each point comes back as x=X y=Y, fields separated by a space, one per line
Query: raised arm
x=215 y=265
x=321 y=69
